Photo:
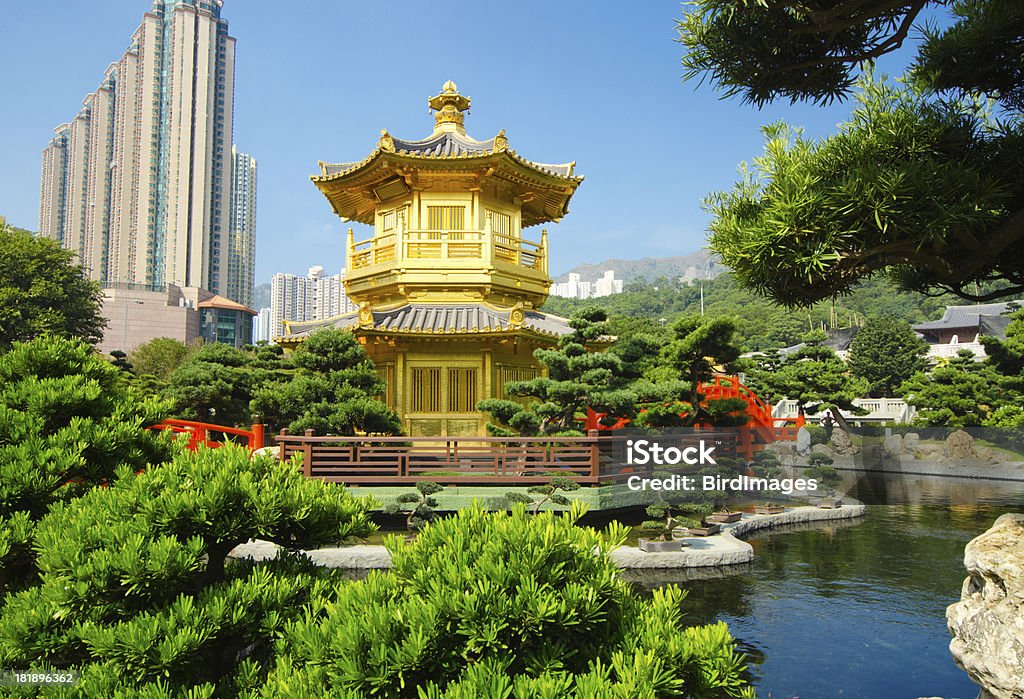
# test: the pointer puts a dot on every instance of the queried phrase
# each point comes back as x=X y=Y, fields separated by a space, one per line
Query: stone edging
x=726 y=549
x=722 y=550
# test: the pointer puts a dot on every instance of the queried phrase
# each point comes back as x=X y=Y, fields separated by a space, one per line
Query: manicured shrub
x=500 y=605
x=68 y=419
x=138 y=594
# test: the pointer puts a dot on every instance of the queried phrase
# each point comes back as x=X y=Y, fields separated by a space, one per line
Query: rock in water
x=803 y=440
x=960 y=445
x=988 y=622
x=842 y=444
x=893 y=444
x=911 y=442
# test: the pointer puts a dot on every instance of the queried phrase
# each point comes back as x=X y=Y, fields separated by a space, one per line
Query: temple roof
x=442 y=319
x=355 y=188
x=966 y=317
x=444 y=145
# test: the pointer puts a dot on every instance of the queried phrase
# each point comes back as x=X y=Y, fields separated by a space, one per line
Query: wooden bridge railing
x=588 y=460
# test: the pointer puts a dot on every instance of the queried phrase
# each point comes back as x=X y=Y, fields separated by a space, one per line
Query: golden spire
x=449 y=105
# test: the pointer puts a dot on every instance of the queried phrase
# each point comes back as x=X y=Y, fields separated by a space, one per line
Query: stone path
x=722 y=550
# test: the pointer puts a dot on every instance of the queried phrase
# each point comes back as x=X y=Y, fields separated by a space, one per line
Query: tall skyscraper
x=139 y=182
x=241 y=257
x=313 y=297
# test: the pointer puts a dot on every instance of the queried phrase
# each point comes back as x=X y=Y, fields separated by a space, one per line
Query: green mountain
x=261 y=297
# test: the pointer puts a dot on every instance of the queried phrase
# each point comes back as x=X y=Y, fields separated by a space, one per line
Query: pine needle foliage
x=500 y=605
x=137 y=592
x=68 y=419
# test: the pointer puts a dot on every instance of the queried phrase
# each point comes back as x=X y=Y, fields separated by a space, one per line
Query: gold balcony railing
x=480 y=245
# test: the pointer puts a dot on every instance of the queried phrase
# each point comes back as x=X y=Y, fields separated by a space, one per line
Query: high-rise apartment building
x=298 y=298
x=241 y=239
x=139 y=183
x=575 y=288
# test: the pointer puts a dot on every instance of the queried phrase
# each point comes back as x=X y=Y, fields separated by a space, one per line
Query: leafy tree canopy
x=136 y=589
x=920 y=184
x=214 y=384
x=159 y=357
x=578 y=378
x=885 y=352
x=500 y=605
x=43 y=291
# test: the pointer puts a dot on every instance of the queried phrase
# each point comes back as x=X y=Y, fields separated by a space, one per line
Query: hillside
x=697 y=265
x=760 y=324
x=261 y=296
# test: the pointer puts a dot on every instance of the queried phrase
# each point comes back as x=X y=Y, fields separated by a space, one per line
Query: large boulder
x=911 y=442
x=893 y=444
x=960 y=446
x=803 y=441
x=988 y=622
x=842 y=443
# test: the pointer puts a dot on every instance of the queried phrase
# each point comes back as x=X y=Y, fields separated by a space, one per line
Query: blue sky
x=596 y=82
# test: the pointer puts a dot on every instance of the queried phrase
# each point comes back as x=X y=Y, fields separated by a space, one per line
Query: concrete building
x=241 y=240
x=139 y=183
x=607 y=285
x=136 y=315
x=297 y=298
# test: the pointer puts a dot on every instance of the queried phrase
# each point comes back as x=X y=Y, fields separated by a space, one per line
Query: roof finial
x=449 y=105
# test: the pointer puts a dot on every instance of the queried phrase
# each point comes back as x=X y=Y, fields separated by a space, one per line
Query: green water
x=854 y=609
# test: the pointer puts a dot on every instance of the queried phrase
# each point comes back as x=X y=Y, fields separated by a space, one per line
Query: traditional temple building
x=448 y=287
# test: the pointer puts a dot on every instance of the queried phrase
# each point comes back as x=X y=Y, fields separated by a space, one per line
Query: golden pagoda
x=448 y=286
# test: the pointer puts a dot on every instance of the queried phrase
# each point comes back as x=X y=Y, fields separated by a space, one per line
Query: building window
x=461 y=390
x=386 y=373
x=426 y=390
x=446 y=218
x=507 y=374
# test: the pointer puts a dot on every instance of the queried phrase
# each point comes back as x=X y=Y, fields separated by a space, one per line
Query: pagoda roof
x=441 y=320
x=444 y=145
x=355 y=188
x=966 y=317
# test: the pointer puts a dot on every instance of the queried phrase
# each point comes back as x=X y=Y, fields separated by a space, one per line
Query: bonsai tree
x=766 y=464
x=419 y=506
x=549 y=492
x=824 y=472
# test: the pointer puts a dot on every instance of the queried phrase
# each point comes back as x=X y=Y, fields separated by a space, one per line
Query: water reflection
x=851 y=609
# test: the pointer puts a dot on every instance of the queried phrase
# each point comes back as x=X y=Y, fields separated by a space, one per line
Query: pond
x=857 y=609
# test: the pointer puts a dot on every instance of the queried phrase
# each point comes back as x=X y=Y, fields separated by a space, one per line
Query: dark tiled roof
x=438 y=319
x=444 y=145
x=839 y=340
x=963 y=316
x=448 y=145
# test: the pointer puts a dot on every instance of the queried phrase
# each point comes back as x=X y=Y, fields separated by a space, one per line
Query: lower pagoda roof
x=440 y=319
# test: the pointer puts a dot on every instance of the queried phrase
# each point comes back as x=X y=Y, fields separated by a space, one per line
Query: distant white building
x=607 y=285
x=315 y=296
x=261 y=326
x=575 y=288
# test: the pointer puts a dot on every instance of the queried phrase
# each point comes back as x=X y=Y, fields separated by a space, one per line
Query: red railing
x=760 y=429
x=213 y=436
